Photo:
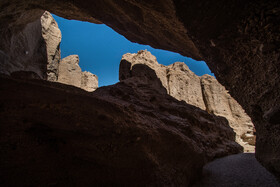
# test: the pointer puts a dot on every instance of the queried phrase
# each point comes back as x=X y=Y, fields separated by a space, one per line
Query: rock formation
x=238 y=40
x=35 y=48
x=89 y=81
x=219 y=102
x=52 y=36
x=122 y=135
x=204 y=92
x=26 y=51
x=71 y=73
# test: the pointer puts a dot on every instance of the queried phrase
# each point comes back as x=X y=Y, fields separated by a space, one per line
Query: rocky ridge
x=204 y=92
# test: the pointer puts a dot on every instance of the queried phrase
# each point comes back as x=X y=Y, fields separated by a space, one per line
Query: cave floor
x=236 y=170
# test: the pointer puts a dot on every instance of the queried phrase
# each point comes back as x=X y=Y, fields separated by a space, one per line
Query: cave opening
x=100 y=50
x=250 y=93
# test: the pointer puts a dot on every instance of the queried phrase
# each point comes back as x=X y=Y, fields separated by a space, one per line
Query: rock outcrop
x=89 y=81
x=70 y=73
x=121 y=135
x=204 y=92
x=219 y=102
x=35 y=48
x=25 y=51
x=52 y=36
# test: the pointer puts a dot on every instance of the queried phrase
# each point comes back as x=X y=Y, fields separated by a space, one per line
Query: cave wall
x=239 y=40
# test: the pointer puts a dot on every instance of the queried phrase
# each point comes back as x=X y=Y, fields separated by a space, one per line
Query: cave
x=238 y=40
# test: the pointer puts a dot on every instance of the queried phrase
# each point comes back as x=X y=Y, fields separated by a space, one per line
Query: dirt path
x=237 y=170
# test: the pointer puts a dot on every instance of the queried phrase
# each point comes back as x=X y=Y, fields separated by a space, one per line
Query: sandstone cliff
x=204 y=92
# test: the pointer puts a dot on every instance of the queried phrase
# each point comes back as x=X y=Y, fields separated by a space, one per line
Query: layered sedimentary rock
x=237 y=39
x=70 y=73
x=126 y=134
x=204 y=92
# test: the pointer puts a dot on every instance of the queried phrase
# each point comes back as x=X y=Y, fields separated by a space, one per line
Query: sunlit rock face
x=70 y=73
x=237 y=39
x=121 y=135
x=52 y=36
x=219 y=102
x=204 y=92
x=89 y=81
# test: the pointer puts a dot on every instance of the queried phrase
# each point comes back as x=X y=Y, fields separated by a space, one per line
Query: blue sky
x=100 y=50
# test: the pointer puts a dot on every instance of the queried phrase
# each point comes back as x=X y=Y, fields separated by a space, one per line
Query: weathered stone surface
x=123 y=135
x=184 y=85
x=180 y=82
x=52 y=36
x=89 y=81
x=70 y=73
x=237 y=39
x=24 y=50
x=220 y=103
x=36 y=49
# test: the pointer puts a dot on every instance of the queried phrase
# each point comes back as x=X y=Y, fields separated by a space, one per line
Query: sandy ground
x=237 y=170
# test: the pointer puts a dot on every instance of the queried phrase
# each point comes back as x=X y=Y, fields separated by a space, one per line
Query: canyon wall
x=238 y=40
x=204 y=92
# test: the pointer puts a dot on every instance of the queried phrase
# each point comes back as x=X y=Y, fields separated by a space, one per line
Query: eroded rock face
x=126 y=134
x=70 y=73
x=219 y=102
x=25 y=50
x=184 y=85
x=52 y=36
x=89 y=81
x=36 y=48
x=181 y=83
x=237 y=39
